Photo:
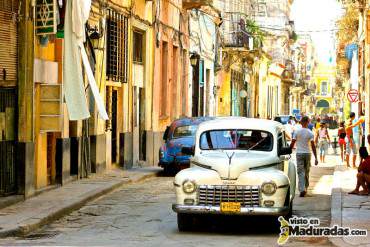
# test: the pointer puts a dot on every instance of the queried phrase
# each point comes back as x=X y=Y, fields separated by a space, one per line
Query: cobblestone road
x=140 y=215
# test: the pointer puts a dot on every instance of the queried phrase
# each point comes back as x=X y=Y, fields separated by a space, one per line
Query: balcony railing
x=194 y=4
x=234 y=31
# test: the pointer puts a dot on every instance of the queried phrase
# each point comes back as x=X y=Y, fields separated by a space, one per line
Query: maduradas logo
x=284 y=231
x=310 y=227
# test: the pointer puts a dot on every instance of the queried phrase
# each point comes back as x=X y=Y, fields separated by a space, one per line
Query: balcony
x=234 y=31
x=289 y=72
x=195 y=4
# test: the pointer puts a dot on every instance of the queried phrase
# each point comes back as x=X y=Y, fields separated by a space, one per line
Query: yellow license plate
x=230 y=207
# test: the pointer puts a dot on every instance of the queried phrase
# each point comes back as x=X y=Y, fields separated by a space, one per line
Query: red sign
x=352 y=95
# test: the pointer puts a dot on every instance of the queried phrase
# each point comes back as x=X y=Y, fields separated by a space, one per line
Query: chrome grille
x=213 y=195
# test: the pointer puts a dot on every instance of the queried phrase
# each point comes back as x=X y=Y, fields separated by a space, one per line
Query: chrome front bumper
x=195 y=209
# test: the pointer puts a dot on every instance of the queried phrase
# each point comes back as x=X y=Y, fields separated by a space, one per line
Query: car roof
x=190 y=121
x=240 y=123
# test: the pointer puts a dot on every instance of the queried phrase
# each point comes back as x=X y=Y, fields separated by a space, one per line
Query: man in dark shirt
x=363 y=175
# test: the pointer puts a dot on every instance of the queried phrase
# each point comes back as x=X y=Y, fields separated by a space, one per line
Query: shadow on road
x=236 y=225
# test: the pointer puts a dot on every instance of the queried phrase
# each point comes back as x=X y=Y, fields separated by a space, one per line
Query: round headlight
x=268 y=188
x=188 y=186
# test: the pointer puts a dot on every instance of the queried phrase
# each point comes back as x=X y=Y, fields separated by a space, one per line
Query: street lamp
x=94 y=36
x=194 y=57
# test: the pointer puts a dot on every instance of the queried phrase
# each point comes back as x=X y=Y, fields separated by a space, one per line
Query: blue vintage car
x=181 y=133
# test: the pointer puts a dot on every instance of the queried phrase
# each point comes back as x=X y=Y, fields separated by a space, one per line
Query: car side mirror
x=165 y=134
x=285 y=151
x=188 y=150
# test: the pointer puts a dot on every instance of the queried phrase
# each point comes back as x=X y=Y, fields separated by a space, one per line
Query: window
x=117 y=47
x=255 y=140
x=324 y=88
x=174 y=85
x=164 y=80
x=184 y=83
x=185 y=131
x=138 y=47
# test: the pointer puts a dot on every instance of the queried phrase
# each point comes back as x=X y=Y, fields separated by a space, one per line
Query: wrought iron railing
x=117 y=47
x=234 y=29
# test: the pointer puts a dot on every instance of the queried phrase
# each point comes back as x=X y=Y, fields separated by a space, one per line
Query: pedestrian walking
x=322 y=140
x=310 y=126
x=342 y=139
x=289 y=127
x=304 y=138
x=318 y=121
x=351 y=146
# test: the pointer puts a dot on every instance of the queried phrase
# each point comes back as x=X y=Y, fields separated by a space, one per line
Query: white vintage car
x=239 y=166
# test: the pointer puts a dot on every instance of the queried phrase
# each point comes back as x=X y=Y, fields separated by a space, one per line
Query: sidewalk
x=26 y=216
x=349 y=210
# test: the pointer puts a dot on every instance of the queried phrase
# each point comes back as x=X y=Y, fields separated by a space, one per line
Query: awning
x=276 y=69
x=349 y=51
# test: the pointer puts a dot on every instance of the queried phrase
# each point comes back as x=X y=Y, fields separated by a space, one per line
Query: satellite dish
x=243 y=94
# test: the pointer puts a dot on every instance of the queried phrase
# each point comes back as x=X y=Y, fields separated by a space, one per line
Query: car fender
x=197 y=174
x=292 y=174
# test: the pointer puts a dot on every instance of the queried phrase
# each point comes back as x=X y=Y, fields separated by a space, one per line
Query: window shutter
x=8 y=44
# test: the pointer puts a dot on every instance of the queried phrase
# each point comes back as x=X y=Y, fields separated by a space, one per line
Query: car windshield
x=185 y=131
x=236 y=139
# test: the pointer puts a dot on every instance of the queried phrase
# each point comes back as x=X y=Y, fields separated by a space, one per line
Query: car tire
x=168 y=170
x=184 y=222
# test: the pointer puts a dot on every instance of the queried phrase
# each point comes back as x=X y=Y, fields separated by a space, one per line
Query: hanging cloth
x=75 y=95
x=74 y=91
x=94 y=88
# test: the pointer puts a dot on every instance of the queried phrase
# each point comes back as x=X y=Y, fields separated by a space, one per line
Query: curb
x=34 y=224
x=336 y=205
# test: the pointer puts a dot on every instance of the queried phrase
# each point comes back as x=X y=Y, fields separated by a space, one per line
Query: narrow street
x=141 y=215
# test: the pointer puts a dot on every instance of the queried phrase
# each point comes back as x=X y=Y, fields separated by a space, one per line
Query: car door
x=289 y=167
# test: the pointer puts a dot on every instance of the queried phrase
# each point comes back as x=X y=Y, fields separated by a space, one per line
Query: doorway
x=8 y=96
x=208 y=92
x=8 y=183
x=195 y=94
x=114 y=126
x=51 y=141
x=142 y=132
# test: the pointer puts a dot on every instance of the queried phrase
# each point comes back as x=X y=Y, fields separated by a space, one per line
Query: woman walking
x=342 y=139
x=323 y=140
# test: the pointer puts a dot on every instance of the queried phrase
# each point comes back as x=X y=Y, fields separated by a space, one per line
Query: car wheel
x=184 y=222
x=168 y=170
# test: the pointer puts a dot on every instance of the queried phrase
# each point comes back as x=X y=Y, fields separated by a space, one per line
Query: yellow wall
x=47 y=53
x=224 y=93
x=324 y=73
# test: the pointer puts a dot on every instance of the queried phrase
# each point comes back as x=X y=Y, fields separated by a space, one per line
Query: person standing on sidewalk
x=342 y=139
x=350 y=142
x=304 y=138
x=323 y=141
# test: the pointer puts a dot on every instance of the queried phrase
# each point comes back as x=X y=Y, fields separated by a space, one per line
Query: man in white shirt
x=304 y=140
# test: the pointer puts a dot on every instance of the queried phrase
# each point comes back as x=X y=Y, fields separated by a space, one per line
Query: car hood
x=174 y=145
x=230 y=165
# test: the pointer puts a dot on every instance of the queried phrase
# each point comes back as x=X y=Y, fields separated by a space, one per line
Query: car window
x=184 y=131
x=236 y=139
x=282 y=142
